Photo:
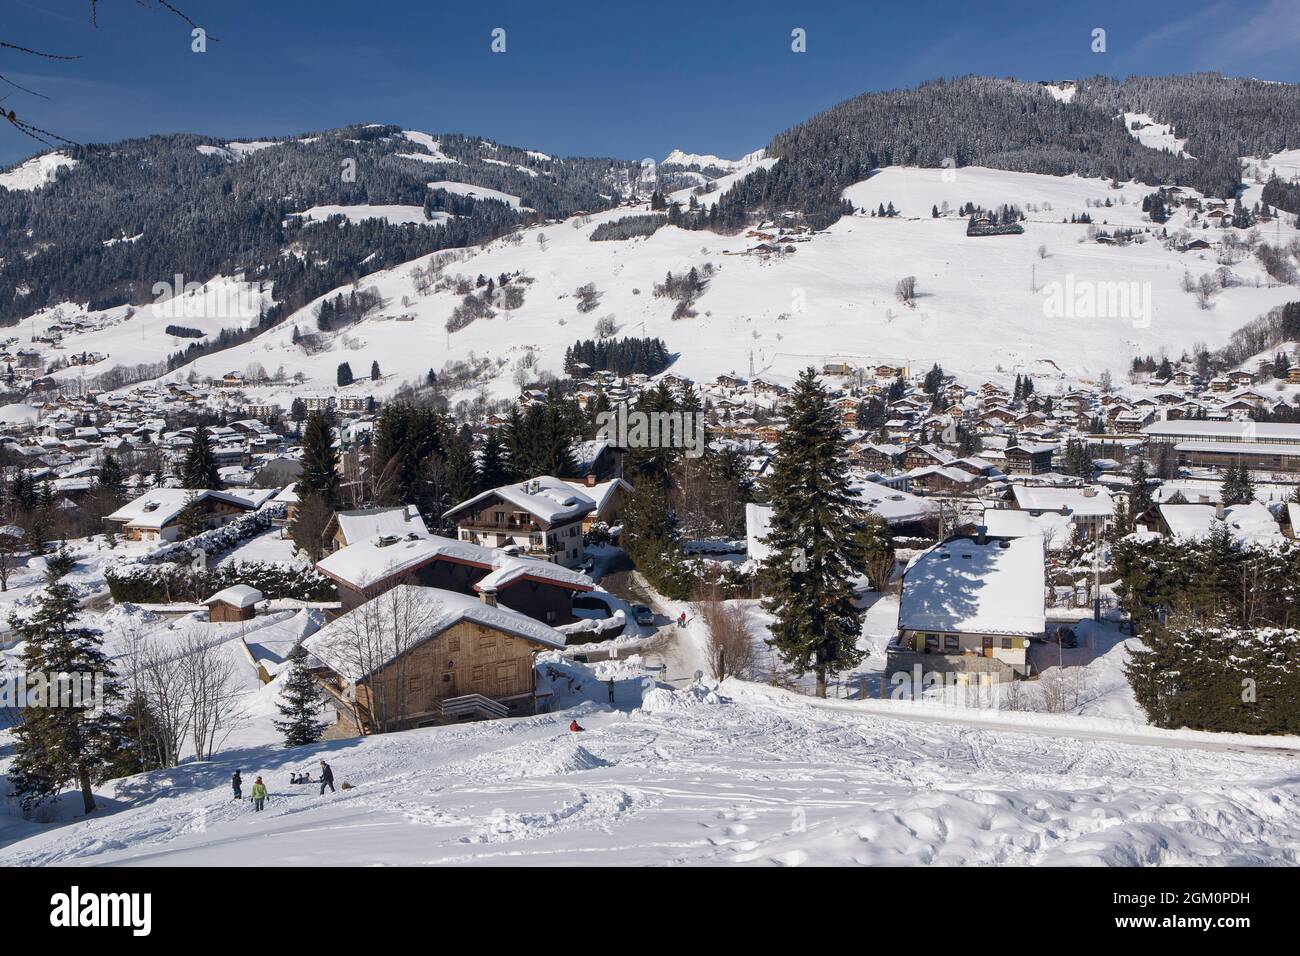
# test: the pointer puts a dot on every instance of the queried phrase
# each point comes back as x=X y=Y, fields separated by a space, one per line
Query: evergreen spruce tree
x=112 y=479
x=56 y=745
x=493 y=469
x=344 y=376
x=300 y=704
x=320 y=475
x=1140 y=496
x=1238 y=488
x=814 y=539
x=374 y=371
x=199 y=466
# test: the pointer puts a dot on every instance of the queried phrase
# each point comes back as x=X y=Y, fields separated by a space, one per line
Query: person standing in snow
x=237 y=785
x=326 y=778
x=681 y=619
x=611 y=690
x=259 y=795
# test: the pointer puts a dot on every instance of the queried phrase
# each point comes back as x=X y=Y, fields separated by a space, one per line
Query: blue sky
x=614 y=79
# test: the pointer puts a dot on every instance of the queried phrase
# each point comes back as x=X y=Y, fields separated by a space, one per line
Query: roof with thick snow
x=1052 y=527
x=1250 y=524
x=1234 y=431
x=960 y=585
x=158 y=507
x=427 y=612
x=238 y=595
x=1088 y=502
x=547 y=499
x=601 y=491
x=368 y=522
x=381 y=557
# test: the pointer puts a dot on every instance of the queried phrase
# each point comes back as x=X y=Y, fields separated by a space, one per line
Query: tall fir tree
x=300 y=704
x=320 y=459
x=64 y=741
x=493 y=468
x=199 y=466
x=814 y=539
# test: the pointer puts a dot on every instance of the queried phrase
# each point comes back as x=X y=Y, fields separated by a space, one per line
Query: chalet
x=1029 y=458
x=157 y=514
x=540 y=589
x=1241 y=378
x=349 y=527
x=540 y=517
x=439 y=657
x=970 y=604
x=1090 y=510
x=924 y=456
x=609 y=496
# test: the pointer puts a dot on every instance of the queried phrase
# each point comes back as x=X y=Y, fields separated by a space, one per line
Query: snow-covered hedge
x=169 y=583
x=218 y=540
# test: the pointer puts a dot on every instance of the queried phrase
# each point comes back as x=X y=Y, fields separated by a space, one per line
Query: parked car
x=643 y=615
x=1065 y=637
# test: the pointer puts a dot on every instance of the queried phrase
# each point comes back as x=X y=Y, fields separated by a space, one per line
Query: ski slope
x=751 y=776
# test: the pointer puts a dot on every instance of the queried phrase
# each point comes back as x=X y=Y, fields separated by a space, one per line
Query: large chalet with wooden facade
x=541 y=518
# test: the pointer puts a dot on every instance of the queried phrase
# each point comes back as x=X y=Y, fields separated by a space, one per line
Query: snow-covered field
x=749 y=776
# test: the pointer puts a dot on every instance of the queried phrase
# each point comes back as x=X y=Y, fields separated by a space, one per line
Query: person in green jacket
x=259 y=794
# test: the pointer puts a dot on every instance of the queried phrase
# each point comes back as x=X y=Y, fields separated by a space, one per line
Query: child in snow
x=326 y=778
x=259 y=795
x=575 y=727
x=237 y=785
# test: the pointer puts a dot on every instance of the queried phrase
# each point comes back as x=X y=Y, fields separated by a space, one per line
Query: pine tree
x=814 y=539
x=112 y=479
x=1140 y=497
x=344 y=374
x=64 y=739
x=320 y=461
x=493 y=469
x=300 y=704
x=1238 y=488
x=199 y=467
x=374 y=371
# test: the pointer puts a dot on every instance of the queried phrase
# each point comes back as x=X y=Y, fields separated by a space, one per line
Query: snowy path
x=767 y=778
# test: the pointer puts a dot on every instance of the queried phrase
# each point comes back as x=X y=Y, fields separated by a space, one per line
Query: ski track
x=763 y=779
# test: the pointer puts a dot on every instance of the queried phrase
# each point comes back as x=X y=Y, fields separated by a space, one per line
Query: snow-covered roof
x=435 y=610
x=1088 y=502
x=960 y=585
x=366 y=523
x=1052 y=527
x=158 y=507
x=237 y=595
x=381 y=557
x=600 y=492
x=1250 y=524
x=896 y=507
x=1288 y=433
x=548 y=499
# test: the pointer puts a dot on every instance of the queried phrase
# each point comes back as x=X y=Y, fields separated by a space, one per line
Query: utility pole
x=1096 y=576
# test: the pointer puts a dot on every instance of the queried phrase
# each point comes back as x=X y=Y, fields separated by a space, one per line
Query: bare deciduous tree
x=730 y=642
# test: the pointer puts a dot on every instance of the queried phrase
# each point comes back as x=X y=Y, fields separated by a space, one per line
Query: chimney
x=591 y=481
x=1218 y=511
x=488 y=596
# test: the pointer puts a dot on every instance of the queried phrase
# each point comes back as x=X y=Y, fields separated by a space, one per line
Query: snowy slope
x=36 y=172
x=753 y=777
x=1153 y=134
x=832 y=299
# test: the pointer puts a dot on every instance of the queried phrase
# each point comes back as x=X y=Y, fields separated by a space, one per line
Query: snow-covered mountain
x=798 y=269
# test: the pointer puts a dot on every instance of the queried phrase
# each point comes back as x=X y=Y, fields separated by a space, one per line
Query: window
x=951 y=642
x=453 y=645
x=931 y=643
x=1006 y=643
x=550 y=617
x=477 y=673
x=487 y=640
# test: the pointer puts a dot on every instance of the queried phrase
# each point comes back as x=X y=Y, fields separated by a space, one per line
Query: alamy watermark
x=628 y=428
x=1087 y=299
x=81 y=690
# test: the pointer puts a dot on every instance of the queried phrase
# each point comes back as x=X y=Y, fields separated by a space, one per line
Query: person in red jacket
x=575 y=727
